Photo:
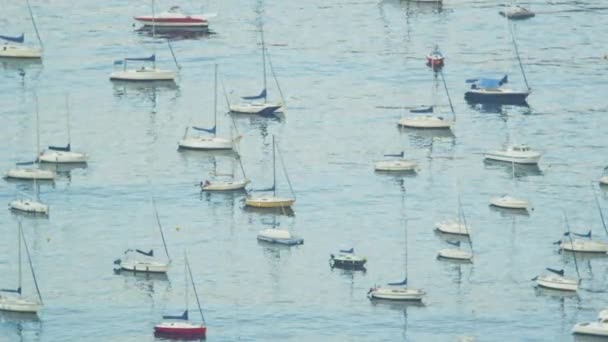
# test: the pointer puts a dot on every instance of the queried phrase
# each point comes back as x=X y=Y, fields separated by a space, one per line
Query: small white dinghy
x=597 y=328
x=60 y=154
x=273 y=201
x=16 y=302
x=200 y=142
x=141 y=261
x=264 y=108
x=398 y=291
x=520 y=154
x=509 y=202
x=396 y=165
x=347 y=259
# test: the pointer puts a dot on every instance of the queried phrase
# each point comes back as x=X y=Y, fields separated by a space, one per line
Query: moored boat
x=435 y=58
x=519 y=153
x=510 y=202
x=396 y=165
x=346 y=258
x=597 y=328
x=173 y=18
x=279 y=236
x=517 y=12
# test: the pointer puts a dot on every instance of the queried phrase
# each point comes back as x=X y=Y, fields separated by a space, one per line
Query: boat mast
x=516 y=50
x=160 y=227
x=153 y=34
x=67 y=106
x=29 y=259
x=599 y=208
x=215 y=103
x=264 y=61
x=186 y=279
x=404 y=231
x=19 y=259
x=285 y=172
x=466 y=229
x=513 y=178
x=194 y=290
x=34 y=23
x=37 y=129
x=274 y=169
x=276 y=81
x=571 y=245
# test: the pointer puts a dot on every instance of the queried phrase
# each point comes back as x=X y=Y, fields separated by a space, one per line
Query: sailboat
x=509 y=201
x=597 y=328
x=516 y=153
x=260 y=108
x=200 y=142
x=30 y=205
x=13 y=48
x=427 y=121
x=455 y=228
x=32 y=173
x=17 y=302
x=278 y=236
x=556 y=280
x=457 y=253
x=180 y=325
x=398 y=163
x=232 y=184
x=604 y=177
x=398 y=291
x=60 y=154
x=141 y=261
x=272 y=201
x=496 y=90
x=586 y=245
x=144 y=73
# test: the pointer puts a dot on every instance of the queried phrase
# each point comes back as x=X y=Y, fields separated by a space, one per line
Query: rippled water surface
x=338 y=63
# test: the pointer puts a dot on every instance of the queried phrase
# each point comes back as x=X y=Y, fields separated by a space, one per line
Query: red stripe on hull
x=201 y=332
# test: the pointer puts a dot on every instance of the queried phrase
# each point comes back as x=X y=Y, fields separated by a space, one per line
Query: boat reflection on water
x=497 y=108
x=63 y=169
x=520 y=170
x=285 y=211
x=557 y=294
x=175 y=33
x=146 y=91
x=260 y=122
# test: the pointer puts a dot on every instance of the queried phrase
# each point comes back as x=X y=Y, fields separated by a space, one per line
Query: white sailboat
x=256 y=107
x=426 y=121
x=60 y=154
x=604 y=177
x=141 y=261
x=556 y=280
x=273 y=201
x=200 y=142
x=597 y=328
x=452 y=227
x=586 y=245
x=27 y=205
x=13 y=47
x=458 y=253
x=144 y=73
x=517 y=153
x=229 y=184
x=32 y=173
x=509 y=201
x=397 y=163
x=398 y=291
x=278 y=236
x=181 y=326
x=16 y=302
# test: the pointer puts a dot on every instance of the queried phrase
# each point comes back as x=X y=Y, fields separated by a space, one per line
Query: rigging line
x=523 y=73
x=448 y=94
x=34 y=23
x=160 y=227
x=27 y=251
x=571 y=245
x=225 y=94
x=276 y=81
x=194 y=289
x=599 y=208
x=179 y=67
x=285 y=171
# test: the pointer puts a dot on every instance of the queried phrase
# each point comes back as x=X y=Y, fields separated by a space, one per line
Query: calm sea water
x=338 y=62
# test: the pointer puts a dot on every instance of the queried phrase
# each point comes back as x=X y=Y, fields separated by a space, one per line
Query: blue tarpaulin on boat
x=404 y=282
x=18 y=290
x=150 y=253
x=144 y=59
x=454 y=243
x=261 y=96
x=183 y=316
x=60 y=148
x=209 y=130
x=424 y=109
x=560 y=272
x=395 y=155
x=352 y=250
x=18 y=39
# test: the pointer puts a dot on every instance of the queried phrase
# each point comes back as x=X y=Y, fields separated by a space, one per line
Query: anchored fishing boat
x=201 y=142
x=13 y=47
x=347 y=259
x=141 y=261
x=425 y=121
x=60 y=154
x=399 y=164
x=173 y=18
x=16 y=302
x=180 y=326
x=435 y=59
x=556 y=280
x=261 y=108
x=519 y=153
x=398 y=291
x=273 y=201
x=597 y=328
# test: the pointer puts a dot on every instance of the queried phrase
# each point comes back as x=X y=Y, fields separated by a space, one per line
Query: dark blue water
x=338 y=63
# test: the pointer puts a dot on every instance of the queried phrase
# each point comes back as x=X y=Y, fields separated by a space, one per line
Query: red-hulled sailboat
x=181 y=327
x=173 y=18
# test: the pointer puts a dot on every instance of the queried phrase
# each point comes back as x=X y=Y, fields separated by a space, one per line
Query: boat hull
x=61 y=157
x=556 y=282
x=426 y=123
x=204 y=143
x=16 y=304
x=496 y=97
x=29 y=207
x=30 y=174
x=347 y=261
x=256 y=108
x=16 y=51
x=455 y=254
x=604 y=180
x=287 y=242
x=529 y=159
x=396 y=165
x=591 y=328
x=186 y=22
x=180 y=329
x=509 y=203
x=225 y=185
x=584 y=246
x=143 y=75
x=453 y=228
x=269 y=202
x=144 y=267
x=397 y=294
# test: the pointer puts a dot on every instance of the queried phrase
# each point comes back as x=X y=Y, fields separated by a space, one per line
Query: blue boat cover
x=18 y=39
x=150 y=253
x=423 y=109
x=183 y=316
x=60 y=148
x=18 y=290
x=209 y=130
x=352 y=250
x=144 y=59
x=26 y=163
x=560 y=272
x=487 y=83
x=395 y=155
x=261 y=96
x=588 y=235
x=404 y=282
x=119 y=62
x=454 y=243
